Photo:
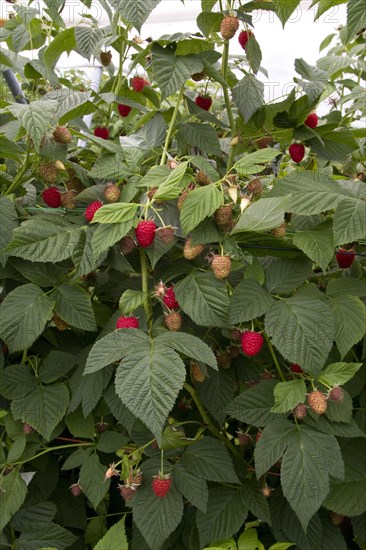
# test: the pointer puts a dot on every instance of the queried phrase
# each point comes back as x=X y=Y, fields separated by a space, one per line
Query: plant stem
x=275 y=360
x=207 y=420
x=50 y=449
x=19 y=176
x=145 y=286
x=225 y=65
x=171 y=126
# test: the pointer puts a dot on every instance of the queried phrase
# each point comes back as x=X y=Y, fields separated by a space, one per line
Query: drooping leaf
x=17 y=381
x=350 y=319
x=250 y=164
x=63 y=42
x=202 y=136
x=135 y=12
x=216 y=392
x=189 y=345
x=338 y=373
x=73 y=305
x=13 y=491
x=349 y=221
x=248 y=301
x=35 y=118
x=317 y=243
x=283 y=276
x=356 y=17
x=199 y=204
x=285 y=8
x=92 y=480
x=288 y=394
x=262 y=215
x=114 y=538
x=191 y=486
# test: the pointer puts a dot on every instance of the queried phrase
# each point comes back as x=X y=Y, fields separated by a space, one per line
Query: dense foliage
x=182 y=310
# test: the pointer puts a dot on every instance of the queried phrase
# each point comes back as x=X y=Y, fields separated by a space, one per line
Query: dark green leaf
x=209 y=459
x=248 y=95
x=248 y=301
x=189 y=345
x=253 y=406
x=92 y=481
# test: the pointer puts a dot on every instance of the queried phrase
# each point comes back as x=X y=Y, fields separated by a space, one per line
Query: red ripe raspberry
x=244 y=37
x=124 y=110
x=312 y=120
x=127 y=322
x=52 y=197
x=145 y=233
x=203 y=101
x=101 y=132
x=345 y=257
x=138 y=83
x=336 y=394
x=161 y=485
x=296 y=368
x=297 y=152
x=169 y=299
x=251 y=342
x=91 y=209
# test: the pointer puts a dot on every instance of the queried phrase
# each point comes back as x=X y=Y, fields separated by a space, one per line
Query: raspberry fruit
x=203 y=101
x=312 y=120
x=75 y=489
x=60 y=324
x=127 y=492
x=244 y=439
x=279 y=231
x=296 y=368
x=203 y=178
x=317 y=402
x=300 y=411
x=173 y=321
x=124 y=110
x=244 y=37
x=161 y=485
x=101 y=132
x=190 y=252
x=255 y=187
x=263 y=142
x=48 y=172
x=112 y=192
x=138 y=83
x=166 y=234
x=52 y=197
x=345 y=257
x=68 y=200
x=127 y=245
x=61 y=134
x=251 y=342
x=224 y=360
x=127 y=322
x=91 y=209
x=105 y=58
x=229 y=26
x=336 y=394
x=196 y=373
x=145 y=233
x=27 y=429
x=223 y=214
x=182 y=198
x=297 y=152
x=169 y=299
x=221 y=266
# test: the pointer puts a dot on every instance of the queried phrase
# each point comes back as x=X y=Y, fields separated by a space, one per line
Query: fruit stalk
x=145 y=286
x=225 y=64
x=273 y=355
x=171 y=126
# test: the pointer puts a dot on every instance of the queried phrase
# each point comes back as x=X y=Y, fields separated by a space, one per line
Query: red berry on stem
x=203 y=101
x=138 y=83
x=145 y=233
x=91 y=209
x=169 y=299
x=345 y=257
x=251 y=342
x=124 y=110
x=317 y=402
x=312 y=120
x=244 y=37
x=161 y=485
x=52 y=197
x=297 y=152
x=127 y=322
x=296 y=368
x=336 y=394
x=101 y=132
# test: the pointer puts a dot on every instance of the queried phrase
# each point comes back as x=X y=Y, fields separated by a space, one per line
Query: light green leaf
x=43 y=408
x=23 y=316
x=204 y=298
x=199 y=204
x=285 y=8
x=302 y=329
x=262 y=215
x=92 y=481
x=253 y=53
x=148 y=382
x=253 y=406
x=107 y=235
x=87 y=39
x=338 y=373
x=73 y=305
x=116 y=213
x=191 y=486
x=170 y=187
x=115 y=538
x=272 y=444
x=35 y=118
x=113 y=347
x=282 y=275
x=202 y=136
x=249 y=164
x=350 y=318
x=248 y=540
x=349 y=221
x=209 y=459
x=13 y=491
x=67 y=103
x=131 y=300
x=189 y=345
x=150 y=136
x=9 y=221
x=64 y=42
x=288 y=395
x=356 y=17
x=248 y=95
x=135 y=11
x=317 y=243
x=83 y=256
x=248 y=301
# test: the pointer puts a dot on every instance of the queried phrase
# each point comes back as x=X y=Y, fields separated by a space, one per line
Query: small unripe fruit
x=279 y=231
x=244 y=439
x=221 y=266
x=173 y=321
x=190 y=252
x=229 y=26
x=224 y=360
x=61 y=134
x=68 y=200
x=75 y=489
x=127 y=245
x=255 y=187
x=202 y=178
x=105 y=58
x=27 y=429
x=336 y=394
x=59 y=323
x=223 y=214
x=127 y=492
x=112 y=192
x=166 y=234
x=300 y=411
x=196 y=373
x=317 y=402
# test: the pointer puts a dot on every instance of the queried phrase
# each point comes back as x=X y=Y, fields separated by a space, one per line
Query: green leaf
x=350 y=318
x=107 y=235
x=131 y=300
x=56 y=365
x=13 y=491
x=64 y=42
x=248 y=301
x=83 y=256
x=209 y=459
x=111 y=441
x=349 y=221
x=248 y=96
x=113 y=347
x=68 y=105
x=288 y=394
x=44 y=275
x=204 y=298
x=272 y=444
x=253 y=53
x=346 y=286
x=157 y=517
x=248 y=540
x=302 y=329
x=226 y=512
x=283 y=276
x=92 y=481
x=116 y=213
x=73 y=305
x=254 y=406
x=188 y=345
x=317 y=243
x=23 y=316
x=256 y=501
x=216 y=392
x=202 y=136
x=338 y=373
x=150 y=136
x=30 y=514
x=135 y=11
x=16 y=449
x=250 y=164
x=209 y=22
x=285 y=8
x=191 y=486
x=340 y=412
x=77 y=458
x=170 y=187
x=87 y=39
x=9 y=221
x=356 y=17
x=43 y=408
x=17 y=381
x=78 y=425
x=88 y=389
x=35 y=118
x=262 y=215
x=199 y=204
x=148 y=382
x=115 y=537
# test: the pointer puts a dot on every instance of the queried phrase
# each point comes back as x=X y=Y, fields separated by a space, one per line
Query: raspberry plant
x=182 y=306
